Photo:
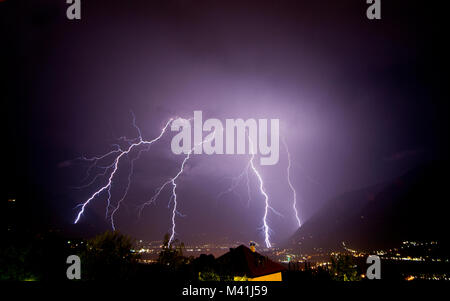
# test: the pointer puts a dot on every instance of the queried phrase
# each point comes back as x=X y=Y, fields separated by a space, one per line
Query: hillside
x=411 y=207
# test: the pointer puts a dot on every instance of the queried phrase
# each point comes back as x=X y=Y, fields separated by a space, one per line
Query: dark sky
x=359 y=102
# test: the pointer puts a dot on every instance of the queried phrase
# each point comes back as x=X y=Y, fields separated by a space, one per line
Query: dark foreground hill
x=411 y=207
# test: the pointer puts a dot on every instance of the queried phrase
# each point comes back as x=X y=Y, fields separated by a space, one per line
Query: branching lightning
x=114 y=167
x=235 y=182
x=130 y=174
x=140 y=145
x=263 y=192
x=174 y=196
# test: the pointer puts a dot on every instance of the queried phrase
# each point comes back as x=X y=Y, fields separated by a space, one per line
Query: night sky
x=360 y=102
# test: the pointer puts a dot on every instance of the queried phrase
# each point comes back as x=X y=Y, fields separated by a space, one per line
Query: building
x=245 y=264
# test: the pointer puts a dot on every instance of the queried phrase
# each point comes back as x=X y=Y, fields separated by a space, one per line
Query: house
x=245 y=264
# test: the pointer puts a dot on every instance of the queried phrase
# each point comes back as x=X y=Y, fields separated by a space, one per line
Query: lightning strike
x=235 y=181
x=118 y=152
x=266 y=228
x=174 y=187
x=130 y=174
x=115 y=165
x=294 y=192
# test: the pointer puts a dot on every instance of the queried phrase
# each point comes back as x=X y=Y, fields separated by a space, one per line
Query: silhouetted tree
x=171 y=254
x=33 y=256
x=13 y=263
x=109 y=256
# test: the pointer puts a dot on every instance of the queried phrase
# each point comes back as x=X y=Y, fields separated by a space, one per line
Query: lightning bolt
x=235 y=183
x=266 y=228
x=172 y=181
x=294 y=192
x=114 y=167
x=130 y=174
x=174 y=196
x=95 y=161
x=118 y=153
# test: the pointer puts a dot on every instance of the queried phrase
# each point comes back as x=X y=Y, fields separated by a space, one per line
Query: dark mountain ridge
x=414 y=206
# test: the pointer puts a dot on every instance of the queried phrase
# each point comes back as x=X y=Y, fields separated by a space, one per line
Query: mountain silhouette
x=414 y=206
